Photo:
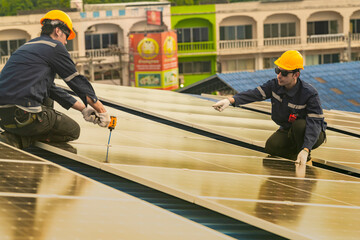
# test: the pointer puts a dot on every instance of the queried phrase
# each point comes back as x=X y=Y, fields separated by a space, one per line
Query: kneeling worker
x=296 y=109
x=27 y=88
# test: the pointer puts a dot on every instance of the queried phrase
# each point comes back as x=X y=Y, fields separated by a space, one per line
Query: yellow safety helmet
x=290 y=60
x=61 y=16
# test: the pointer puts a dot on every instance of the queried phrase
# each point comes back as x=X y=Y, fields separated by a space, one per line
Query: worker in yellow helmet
x=27 y=88
x=296 y=109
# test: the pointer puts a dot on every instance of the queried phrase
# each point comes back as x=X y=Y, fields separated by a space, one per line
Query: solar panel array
x=274 y=194
x=41 y=200
x=240 y=124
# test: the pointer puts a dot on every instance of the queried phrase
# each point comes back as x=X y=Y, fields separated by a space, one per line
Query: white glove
x=221 y=105
x=302 y=157
x=104 y=119
x=300 y=170
x=90 y=114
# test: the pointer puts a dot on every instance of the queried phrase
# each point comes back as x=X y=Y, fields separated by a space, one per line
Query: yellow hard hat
x=290 y=60
x=63 y=17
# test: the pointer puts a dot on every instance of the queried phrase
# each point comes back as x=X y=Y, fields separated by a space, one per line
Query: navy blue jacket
x=28 y=76
x=302 y=100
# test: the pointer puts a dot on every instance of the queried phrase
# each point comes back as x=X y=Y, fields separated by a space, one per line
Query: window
x=322 y=27
x=269 y=62
x=107 y=75
x=355 y=25
x=100 y=41
x=276 y=30
x=185 y=35
x=239 y=32
x=355 y=56
x=7 y=47
x=237 y=65
x=70 y=45
x=195 y=67
x=322 y=59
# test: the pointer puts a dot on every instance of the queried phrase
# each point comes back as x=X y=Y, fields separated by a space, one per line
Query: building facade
x=101 y=47
x=196 y=37
x=251 y=35
x=245 y=36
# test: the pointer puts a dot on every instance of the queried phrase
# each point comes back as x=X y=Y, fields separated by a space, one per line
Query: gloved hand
x=221 y=105
x=300 y=170
x=302 y=157
x=90 y=114
x=104 y=119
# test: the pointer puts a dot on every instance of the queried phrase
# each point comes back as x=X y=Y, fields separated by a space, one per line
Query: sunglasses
x=66 y=31
x=284 y=73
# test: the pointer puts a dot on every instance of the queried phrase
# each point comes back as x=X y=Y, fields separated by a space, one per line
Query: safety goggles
x=66 y=31
x=284 y=73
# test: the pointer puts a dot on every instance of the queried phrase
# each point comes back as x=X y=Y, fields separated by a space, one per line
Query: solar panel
x=232 y=180
x=41 y=200
x=235 y=123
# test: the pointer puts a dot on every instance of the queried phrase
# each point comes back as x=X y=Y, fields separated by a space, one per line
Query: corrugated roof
x=344 y=77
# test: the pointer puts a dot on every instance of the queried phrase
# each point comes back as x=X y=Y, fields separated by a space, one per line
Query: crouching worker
x=296 y=109
x=27 y=89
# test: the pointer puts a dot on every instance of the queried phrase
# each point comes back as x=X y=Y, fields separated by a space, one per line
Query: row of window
x=274 y=30
x=7 y=47
x=100 y=41
x=199 y=34
x=195 y=67
x=236 y=65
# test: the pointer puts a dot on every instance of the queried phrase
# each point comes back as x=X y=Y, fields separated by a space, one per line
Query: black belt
x=14 y=117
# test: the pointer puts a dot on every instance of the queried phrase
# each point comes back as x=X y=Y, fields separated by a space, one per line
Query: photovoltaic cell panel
x=340 y=150
x=40 y=200
x=219 y=175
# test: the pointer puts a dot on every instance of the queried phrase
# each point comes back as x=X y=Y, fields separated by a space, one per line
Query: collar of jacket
x=292 y=91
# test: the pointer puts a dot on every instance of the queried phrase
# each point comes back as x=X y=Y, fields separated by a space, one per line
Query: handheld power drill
x=112 y=125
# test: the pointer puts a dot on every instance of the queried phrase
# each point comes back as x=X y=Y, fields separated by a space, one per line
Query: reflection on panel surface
x=236 y=123
x=313 y=222
x=40 y=200
x=213 y=173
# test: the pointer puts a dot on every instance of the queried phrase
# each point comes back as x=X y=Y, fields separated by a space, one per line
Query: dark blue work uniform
x=301 y=103
x=27 y=80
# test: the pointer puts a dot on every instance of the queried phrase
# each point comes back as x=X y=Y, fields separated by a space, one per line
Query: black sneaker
x=11 y=139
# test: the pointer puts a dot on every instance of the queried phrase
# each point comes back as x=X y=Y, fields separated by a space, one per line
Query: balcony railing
x=355 y=37
x=96 y=53
x=4 y=59
x=196 y=47
x=74 y=54
x=231 y=44
x=281 y=41
x=326 y=38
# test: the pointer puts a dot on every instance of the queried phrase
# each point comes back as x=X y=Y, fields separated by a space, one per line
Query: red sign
x=153 y=60
x=154 y=17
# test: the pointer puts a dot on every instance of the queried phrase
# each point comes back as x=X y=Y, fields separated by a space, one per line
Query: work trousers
x=48 y=126
x=288 y=143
